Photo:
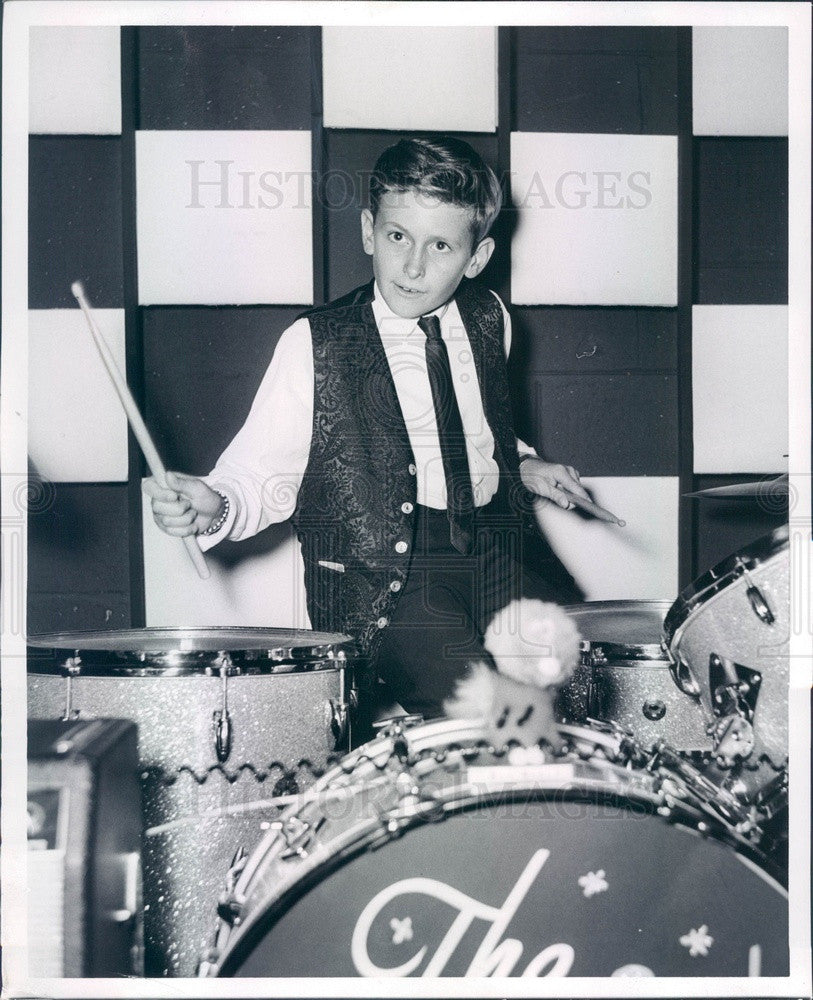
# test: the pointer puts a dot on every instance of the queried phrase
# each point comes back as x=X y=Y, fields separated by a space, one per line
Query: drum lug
x=298 y=835
x=221 y=722
x=337 y=714
x=736 y=688
x=682 y=675
x=758 y=601
x=230 y=905
x=230 y=909
x=221 y=719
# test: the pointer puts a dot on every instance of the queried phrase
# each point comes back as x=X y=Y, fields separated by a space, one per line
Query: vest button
x=383 y=622
x=395 y=586
x=401 y=547
x=407 y=507
x=413 y=469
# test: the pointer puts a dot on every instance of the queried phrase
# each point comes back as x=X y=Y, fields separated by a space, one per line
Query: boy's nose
x=415 y=264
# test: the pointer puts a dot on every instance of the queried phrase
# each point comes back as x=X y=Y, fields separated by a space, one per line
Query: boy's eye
x=396 y=237
x=442 y=245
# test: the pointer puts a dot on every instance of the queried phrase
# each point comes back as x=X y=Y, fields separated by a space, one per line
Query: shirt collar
x=395 y=327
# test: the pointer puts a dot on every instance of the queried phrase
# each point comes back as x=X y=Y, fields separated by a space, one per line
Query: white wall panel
x=224 y=217
x=77 y=429
x=636 y=562
x=74 y=80
x=597 y=219
x=441 y=78
x=740 y=80
x=261 y=591
x=740 y=388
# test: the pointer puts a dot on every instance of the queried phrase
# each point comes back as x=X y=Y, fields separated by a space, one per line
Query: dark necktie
x=460 y=498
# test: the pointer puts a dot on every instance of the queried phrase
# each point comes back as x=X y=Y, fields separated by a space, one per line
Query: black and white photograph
x=406 y=507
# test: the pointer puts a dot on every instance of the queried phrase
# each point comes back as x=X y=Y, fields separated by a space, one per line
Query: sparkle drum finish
x=728 y=634
x=429 y=852
x=227 y=719
x=625 y=677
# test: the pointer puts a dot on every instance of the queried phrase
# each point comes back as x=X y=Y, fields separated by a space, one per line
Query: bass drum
x=429 y=852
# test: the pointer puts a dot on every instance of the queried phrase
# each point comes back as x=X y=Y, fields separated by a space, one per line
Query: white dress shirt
x=262 y=468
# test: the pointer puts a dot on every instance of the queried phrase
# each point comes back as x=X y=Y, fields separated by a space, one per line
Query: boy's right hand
x=186 y=507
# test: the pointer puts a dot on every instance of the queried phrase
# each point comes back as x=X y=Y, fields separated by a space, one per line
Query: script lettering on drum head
x=493 y=958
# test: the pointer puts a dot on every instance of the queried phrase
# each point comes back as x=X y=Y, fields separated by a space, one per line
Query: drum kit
x=650 y=842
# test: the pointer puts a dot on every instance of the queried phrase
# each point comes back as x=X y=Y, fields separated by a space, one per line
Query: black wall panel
x=224 y=78
x=583 y=339
x=595 y=80
x=74 y=220
x=725 y=526
x=202 y=367
x=78 y=568
x=741 y=226
x=606 y=425
x=349 y=160
x=596 y=387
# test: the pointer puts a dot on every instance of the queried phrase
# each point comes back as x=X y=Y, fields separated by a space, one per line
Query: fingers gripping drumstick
x=137 y=424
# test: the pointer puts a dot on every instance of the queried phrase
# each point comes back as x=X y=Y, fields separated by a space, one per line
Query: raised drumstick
x=142 y=435
x=593 y=508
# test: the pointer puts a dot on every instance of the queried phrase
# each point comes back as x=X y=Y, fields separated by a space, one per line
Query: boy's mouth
x=408 y=291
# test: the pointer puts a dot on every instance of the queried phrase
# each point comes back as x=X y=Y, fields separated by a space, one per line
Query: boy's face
x=421 y=249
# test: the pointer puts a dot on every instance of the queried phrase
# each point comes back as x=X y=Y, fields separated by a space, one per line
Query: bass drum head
x=564 y=883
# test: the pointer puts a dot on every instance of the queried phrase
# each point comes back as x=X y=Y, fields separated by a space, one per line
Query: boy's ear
x=480 y=257
x=367 y=231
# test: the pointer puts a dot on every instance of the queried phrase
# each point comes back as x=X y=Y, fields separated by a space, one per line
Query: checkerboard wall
x=593 y=129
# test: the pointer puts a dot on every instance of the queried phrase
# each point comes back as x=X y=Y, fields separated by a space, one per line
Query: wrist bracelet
x=218 y=524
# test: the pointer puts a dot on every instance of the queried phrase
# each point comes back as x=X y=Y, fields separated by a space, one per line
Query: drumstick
x=592 y=508
x=139 y=428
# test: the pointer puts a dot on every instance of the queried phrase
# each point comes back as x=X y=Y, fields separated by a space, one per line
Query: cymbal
x=776 y=489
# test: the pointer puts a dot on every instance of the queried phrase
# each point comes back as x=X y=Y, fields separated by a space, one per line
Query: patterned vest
x=356 y=503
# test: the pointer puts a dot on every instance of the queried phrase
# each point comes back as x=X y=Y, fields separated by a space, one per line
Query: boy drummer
x=383 y=429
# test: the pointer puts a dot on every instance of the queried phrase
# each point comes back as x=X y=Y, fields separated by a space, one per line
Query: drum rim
x=705 y=587
x=618 y=652
x=364 y=832
x=74 y=654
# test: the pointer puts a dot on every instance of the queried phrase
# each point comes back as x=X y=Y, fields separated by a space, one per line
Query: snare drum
x=624 y=675
x=429 y=852
x=227 y=719
x=728 y=635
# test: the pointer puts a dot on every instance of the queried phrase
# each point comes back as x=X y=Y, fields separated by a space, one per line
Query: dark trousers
x=436 y=632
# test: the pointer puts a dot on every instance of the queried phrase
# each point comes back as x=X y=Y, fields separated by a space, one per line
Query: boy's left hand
x=547 y=479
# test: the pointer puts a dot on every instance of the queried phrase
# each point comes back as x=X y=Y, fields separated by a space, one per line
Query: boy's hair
x=444 y=167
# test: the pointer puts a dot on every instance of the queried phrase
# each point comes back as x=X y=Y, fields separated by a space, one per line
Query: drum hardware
x=229 y=906
x=72 y=667
x=653 y=710
x=221 y=720
x=722 y=804
x=736 y=688
x=735 y=691
x=733 y=739
x=297 y=835
x=759 y=603
x=412 y=808
x=682 y=675
x=773 y=798
x=396 y=725
x=338 y=710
